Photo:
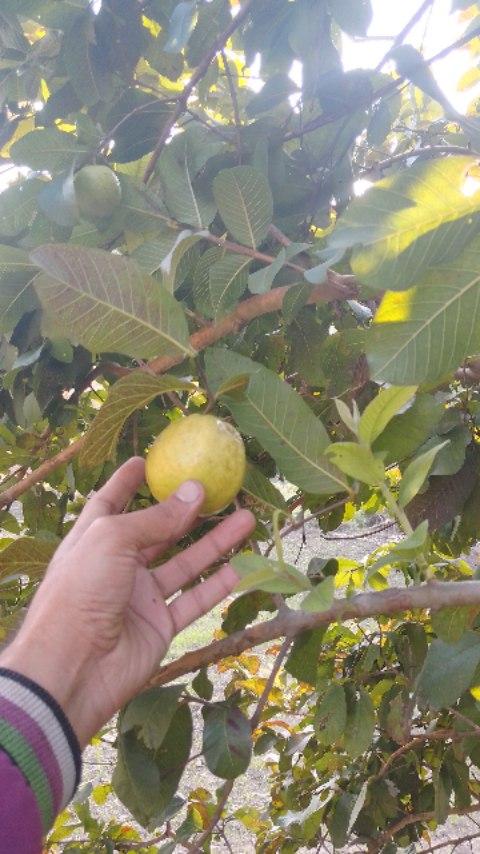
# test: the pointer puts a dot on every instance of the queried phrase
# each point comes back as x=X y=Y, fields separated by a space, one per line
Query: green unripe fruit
x=97 y=192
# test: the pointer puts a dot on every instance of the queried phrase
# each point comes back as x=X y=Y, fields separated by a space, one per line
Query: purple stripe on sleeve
x=35 y=737
x=20 y=822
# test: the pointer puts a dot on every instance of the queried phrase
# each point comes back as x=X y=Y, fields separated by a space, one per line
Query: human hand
x=101 y=621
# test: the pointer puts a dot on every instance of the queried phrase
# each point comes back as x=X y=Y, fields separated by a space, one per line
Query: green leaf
x=150 y=714
x=294 y=300
x=302 y=662
x=57 y=200
x=182 y=23
x=16 y=294
x=414 y=475
x=27 y=556
x=360 y=724
x=227 y=370
x=448 y=670
x=151 y=254
x=83 y=63
x=357 y=461
x=213 y=19
x=405 y=550
x=260 y=573
x=339 y=819
x=381 y=410
x=47 y=150
x=262 y=280
x=130 y=393
x=277 y=416
x=276 y=90
x=262 y=490
x=18 y=205
x=177 y=265
x=321 y=597
x=245 y=203
x=227 y=740
x=145 y=780
x=183 y=200
x=108 y=304
x=331 y=715
x=352 y=16
x=135 y=122
x=228 y=279
x=407 y=432
x=202 y=685
x=450 y=624
x=408 y=222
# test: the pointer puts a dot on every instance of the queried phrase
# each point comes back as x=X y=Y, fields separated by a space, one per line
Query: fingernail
x=189 y=492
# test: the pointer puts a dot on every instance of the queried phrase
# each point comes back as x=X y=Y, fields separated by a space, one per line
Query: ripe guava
x=97 y=192
x=198 y=447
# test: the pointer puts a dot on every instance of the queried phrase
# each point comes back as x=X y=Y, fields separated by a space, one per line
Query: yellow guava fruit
x=198 y=447
x=97 y=192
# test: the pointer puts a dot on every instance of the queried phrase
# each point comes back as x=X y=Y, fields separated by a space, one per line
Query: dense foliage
x=178 y=235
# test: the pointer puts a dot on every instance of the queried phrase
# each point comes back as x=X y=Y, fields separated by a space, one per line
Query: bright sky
x=437 y=30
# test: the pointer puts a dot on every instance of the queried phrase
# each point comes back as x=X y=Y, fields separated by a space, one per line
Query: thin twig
x=328 y=118
x=198 y=75
x=366 y=534
x=206 y=834
x=255 y=719
x=416 y=17
x=399 y=825
x=469 y=838
x=437 y=735
x=299 y=523
x=419 y=152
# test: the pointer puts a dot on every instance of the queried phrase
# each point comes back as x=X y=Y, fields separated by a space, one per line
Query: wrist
x=61 y=674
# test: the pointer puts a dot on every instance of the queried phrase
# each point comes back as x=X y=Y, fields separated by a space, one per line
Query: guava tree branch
x=206 y=834
x=198 y=75
x=416 y=17
x=381 y=841
x=282 y=654
x=433 y=595
x=389 y=89
x=418 y=152
x=336 y=287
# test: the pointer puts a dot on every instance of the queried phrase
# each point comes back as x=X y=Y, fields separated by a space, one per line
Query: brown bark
x=433 y=595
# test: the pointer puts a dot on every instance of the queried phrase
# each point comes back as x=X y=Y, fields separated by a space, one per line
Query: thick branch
x=198 y=75
x=335 y=288
x=40 y=473
x=433 y=595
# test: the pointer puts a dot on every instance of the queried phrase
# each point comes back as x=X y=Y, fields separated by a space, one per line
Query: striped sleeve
x=40 y=744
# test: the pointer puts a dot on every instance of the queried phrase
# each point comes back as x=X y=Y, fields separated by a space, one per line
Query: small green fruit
x=199 y=447
x=97 y=192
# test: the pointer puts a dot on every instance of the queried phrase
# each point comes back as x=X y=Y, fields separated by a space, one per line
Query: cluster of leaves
x=207 y=254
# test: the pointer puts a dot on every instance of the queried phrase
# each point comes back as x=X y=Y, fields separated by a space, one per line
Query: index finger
x=111 y=498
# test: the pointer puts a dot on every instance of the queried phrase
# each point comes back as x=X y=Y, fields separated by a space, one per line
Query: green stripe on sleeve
x=24 y=757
